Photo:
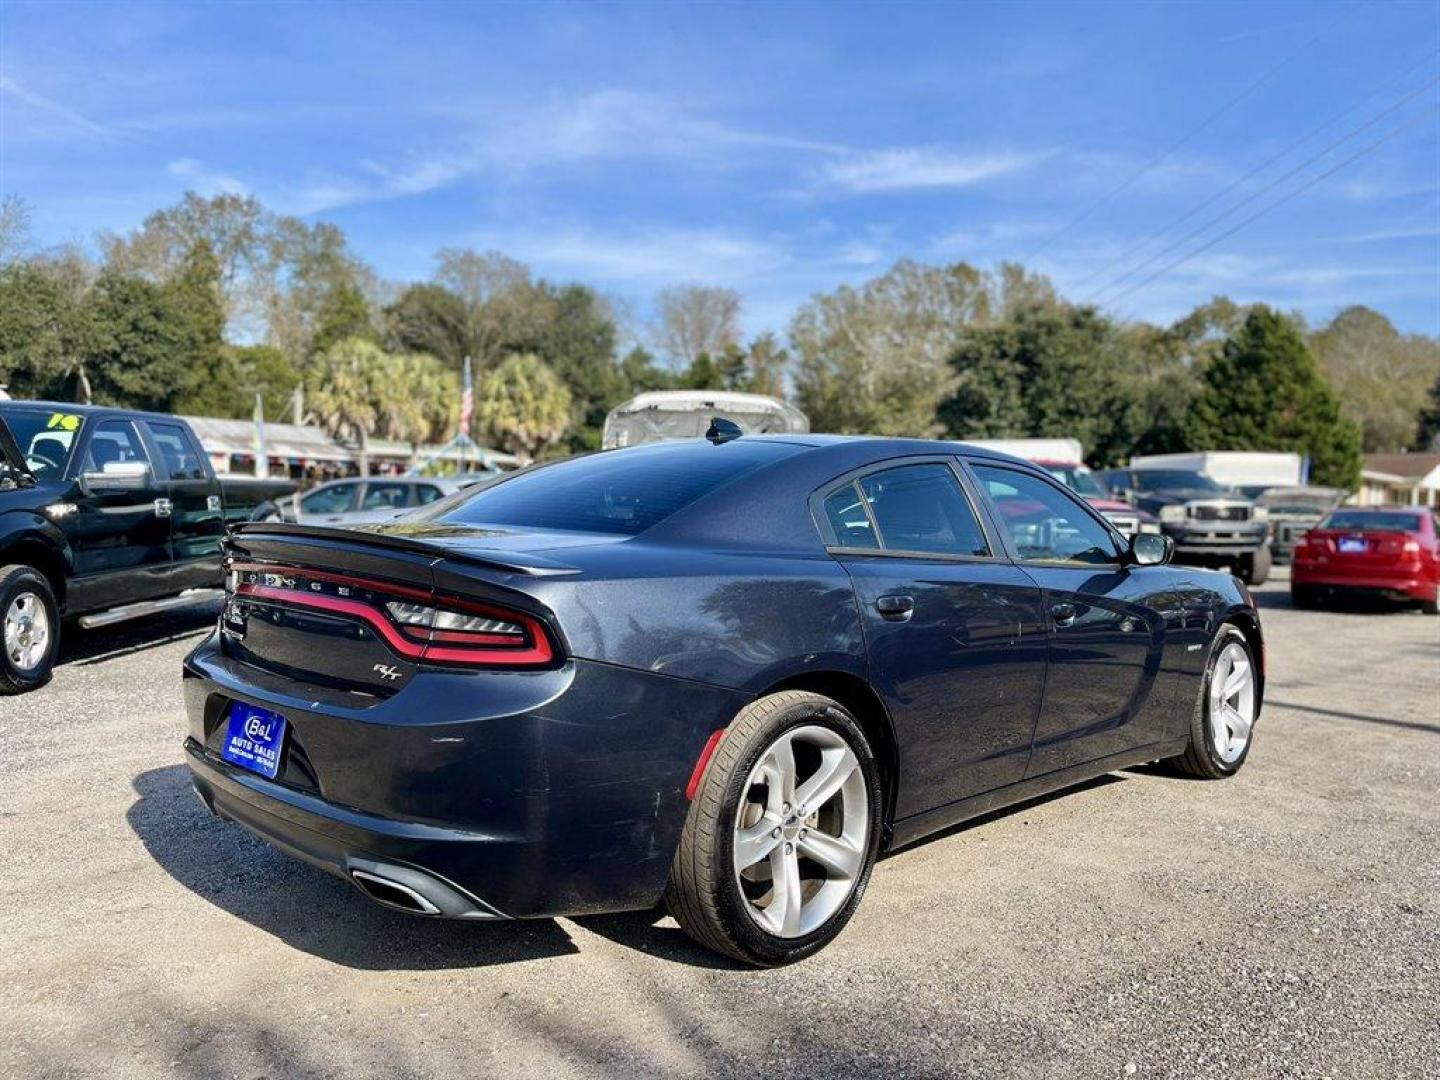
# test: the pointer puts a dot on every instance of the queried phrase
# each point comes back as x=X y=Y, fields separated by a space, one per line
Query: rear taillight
x=417 y=626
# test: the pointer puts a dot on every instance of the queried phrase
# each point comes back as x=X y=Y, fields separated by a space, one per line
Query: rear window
x=617 y=491
x=1372 y=521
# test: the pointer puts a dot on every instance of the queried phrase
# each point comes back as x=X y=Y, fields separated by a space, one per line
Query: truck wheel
x=782 y=834
x=30 y=626
x=1255 y=567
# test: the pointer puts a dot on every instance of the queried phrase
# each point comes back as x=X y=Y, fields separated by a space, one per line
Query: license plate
x=253 y=739
x=1352 y=545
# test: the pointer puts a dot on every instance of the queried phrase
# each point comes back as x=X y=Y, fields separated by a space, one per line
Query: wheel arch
x=860 y=699
x=1249 y=625
x=41 y=554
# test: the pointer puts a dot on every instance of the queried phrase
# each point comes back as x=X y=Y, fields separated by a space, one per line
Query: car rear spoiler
x=509 y=561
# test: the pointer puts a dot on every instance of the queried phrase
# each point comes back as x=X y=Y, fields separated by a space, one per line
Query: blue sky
x=779 y=150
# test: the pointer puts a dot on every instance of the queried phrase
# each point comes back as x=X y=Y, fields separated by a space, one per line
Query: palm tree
x=351 y=379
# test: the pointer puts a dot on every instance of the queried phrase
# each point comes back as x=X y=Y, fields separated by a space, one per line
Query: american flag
x=467 y=401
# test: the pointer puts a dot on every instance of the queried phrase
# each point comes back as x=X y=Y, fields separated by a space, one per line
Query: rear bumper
x=488 y=794
x=1400 y=586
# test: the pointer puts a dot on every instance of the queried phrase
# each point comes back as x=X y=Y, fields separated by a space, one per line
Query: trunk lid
x=1363 y=549
x=364 y=610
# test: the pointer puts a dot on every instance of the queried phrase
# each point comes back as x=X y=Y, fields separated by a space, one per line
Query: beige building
x=1399 y=480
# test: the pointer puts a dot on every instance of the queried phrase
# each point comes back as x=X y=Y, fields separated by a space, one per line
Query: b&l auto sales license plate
x=1352 y=545
x=253 y=739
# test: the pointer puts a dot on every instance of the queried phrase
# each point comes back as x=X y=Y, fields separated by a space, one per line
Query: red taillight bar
x=441 y=646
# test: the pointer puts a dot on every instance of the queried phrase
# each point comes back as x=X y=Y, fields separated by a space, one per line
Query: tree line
x=212 y=301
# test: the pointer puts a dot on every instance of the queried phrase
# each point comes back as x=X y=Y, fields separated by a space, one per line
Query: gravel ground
x=1283 y=923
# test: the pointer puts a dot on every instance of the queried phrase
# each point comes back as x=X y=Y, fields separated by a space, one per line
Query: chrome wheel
x=1232 y=702
x=27 y=631
x=802 y=831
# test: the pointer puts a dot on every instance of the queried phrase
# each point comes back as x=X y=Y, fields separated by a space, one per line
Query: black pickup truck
x=105 y=515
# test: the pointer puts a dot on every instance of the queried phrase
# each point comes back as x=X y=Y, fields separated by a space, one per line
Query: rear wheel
x=782 y=834
x=29 y=629
x=1225 y=713
x=1254 y=569
x=1304 y=597
x=1432 y=606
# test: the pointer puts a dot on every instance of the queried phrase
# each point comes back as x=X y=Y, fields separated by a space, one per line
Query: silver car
x=357 y=500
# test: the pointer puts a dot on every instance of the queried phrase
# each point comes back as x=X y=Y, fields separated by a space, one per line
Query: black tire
x=1255 y=568
x=1432 y=606
x=1304 y=597
x=703 y=894
x=266 y=511
x=1200 y=759
x=19 y=583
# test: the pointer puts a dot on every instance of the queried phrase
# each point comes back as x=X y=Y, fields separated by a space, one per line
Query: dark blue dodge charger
x=724 y=673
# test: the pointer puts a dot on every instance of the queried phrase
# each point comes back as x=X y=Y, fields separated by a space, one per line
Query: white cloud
x=66 y=115
x=204 y=180
x=909 y=168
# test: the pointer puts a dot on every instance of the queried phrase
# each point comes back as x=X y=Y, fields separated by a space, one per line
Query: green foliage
x=47 y=330
x=1264 y=392
x=429 y=318
x=522 y=406
x=640 y=374
x=1047 y=371
x=1427 y=436
x=1378 y=373
x=141 y=354
x=344 y=313
x=577 y=342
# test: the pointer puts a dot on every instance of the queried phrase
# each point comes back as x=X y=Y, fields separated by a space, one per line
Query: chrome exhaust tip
x=415 y=891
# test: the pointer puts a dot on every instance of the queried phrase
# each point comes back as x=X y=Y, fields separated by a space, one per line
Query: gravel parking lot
x=1280 y=924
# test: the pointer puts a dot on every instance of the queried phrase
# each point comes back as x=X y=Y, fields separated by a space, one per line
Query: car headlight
x=1172 y=514
x=1260 y=514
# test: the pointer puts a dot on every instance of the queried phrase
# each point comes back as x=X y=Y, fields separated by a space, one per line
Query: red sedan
x=1389 y=552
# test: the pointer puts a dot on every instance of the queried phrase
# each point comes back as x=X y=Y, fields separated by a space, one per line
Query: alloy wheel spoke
x=1237 y=680
x=835 y=853
x=782 y=756
x=755 y=843
x=836 y=765
x=1239 y=726
x=786 y=902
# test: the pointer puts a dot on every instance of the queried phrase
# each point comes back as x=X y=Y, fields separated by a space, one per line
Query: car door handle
x=895 y=608
x=1063 y=614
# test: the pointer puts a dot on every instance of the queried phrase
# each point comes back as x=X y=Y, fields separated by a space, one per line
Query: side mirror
x=117 y=476
x=1151 y=549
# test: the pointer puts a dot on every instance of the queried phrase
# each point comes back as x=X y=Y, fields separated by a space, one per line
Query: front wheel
x=1255 y=567
x=782 y=834
x=31 y=629
x=1223 y=722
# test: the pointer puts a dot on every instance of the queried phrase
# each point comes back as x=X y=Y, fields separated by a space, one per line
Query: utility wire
x=1135 y=249
x=1218 y=218
x=1277 y=203
x=1158 y=158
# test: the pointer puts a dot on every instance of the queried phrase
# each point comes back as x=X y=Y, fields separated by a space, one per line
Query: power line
x=1157 y=159
x=1136 y=248
x=1276 y=204
x=1198 y=230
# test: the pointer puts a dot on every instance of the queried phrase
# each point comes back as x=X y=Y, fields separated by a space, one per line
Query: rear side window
x=179 y=455
x=616 y=491
x=1373 y=521
x=384 y=496
x=911 y=508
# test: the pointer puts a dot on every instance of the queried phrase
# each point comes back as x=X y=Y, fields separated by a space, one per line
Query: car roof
x=87 y=410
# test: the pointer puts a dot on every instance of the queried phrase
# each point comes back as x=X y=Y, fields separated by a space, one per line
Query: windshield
x=1174 y=480
x=1079 y=480
x=45 y=437
x=614 y=491
x=1372 y=521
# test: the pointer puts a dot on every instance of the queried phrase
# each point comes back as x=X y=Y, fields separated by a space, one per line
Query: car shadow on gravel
x=305 y=907
x=1355 y=604
x=86 y=648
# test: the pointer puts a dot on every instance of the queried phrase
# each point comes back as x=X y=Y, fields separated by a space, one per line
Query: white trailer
x=1234 y=468
x=1051 y=451
x=660 y=415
